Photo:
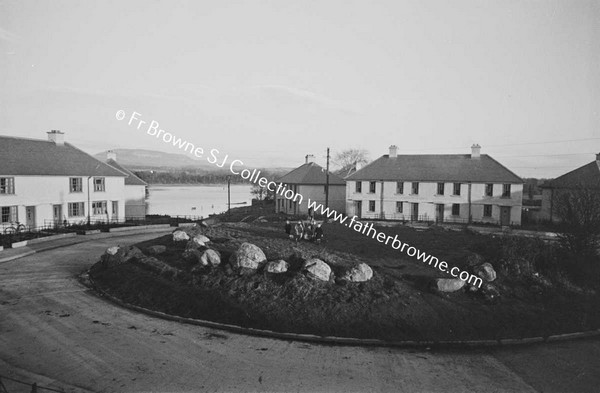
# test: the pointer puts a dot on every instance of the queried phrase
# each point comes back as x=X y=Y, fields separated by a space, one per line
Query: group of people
x=309 y=230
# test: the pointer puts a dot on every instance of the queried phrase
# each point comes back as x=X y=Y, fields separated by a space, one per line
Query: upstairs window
x=76 y=184
x=456 y=190
x=489 y=189
x=399 y=187
x=359 y=187
x=506 y=190
x=99 y=184
x=415 y=188
x=372 y=187
x=440 y=188
x=7 y=185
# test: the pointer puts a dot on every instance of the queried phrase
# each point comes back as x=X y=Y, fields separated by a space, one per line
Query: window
x=489 y=189
x=99 y=184
x=506 y=190
x=399 y=187
x=456 y=190
x=372 y=187
x=371 y=206
x=99 y=208
x=440 y=189
x=76 y=184
x=7 y=185
x=415 y=188
x=399 y=207
x=9 y=214
x=455 y=209
x=487 y=210
x=76 y=209
x=359 y=187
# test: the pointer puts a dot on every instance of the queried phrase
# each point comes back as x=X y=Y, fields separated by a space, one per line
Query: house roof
x=131 y=179
x=21 y=156
x=436 y=168
x=587 y=175
x=310 y=173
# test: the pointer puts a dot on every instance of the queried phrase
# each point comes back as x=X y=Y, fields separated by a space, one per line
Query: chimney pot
x=393 y=151
x=475 y=149
x=56 y=136
x=111 y=155
x=309 y=158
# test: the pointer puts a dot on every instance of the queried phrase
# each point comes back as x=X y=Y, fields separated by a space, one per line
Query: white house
x=135 y=189
x=309 y=180
x=436 y=187
x=51 y=182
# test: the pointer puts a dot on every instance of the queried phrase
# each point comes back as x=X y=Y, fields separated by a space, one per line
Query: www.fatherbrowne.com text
x=236 y=167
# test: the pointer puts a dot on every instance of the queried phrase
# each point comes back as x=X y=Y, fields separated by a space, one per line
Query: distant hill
x=152 y=159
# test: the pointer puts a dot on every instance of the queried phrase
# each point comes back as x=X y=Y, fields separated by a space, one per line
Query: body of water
x=195 y=200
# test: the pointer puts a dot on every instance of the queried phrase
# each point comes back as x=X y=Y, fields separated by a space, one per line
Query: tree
x=261 y=193
x=579 y=211
x=349 y=157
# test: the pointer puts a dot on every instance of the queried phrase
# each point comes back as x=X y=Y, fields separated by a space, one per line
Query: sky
x=268 y=82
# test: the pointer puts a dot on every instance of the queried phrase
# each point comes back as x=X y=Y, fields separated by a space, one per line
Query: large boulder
x=117 y=255
x=486 y=272
x=276 y=267
x=317 y=269
x=200 y=240
x=248 y=256
x=112 y=250
x=156 y=250
x=180 y=236
x=449 y=284
x=210 y=258
x=359 y=273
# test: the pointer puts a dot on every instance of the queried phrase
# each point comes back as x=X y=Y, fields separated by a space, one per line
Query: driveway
x=56 y=332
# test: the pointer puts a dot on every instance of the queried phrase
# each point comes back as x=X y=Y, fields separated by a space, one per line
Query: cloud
x=7 y=36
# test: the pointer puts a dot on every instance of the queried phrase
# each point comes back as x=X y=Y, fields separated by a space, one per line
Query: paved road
x=56 y=332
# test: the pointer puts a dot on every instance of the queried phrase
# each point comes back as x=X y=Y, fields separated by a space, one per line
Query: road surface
x=57 y=333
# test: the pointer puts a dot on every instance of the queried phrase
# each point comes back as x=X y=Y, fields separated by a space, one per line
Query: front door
x=504 y=215
x=30 y=216
x=57 y=214
x=115 y=210
x=358 y=209
x=415 y=212
x=439 y=212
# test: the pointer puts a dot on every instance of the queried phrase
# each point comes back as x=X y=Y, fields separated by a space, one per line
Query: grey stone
x=449 y=284
x=248 y=256
x=317 y=269
x=486 y=272
x=156 y=249
x=359 y=273
x=112 y=250
x=200 y=240
x=210 y=258
x=179 y=236
x=279 y=266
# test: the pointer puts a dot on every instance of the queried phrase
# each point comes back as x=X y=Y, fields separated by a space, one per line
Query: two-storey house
x=52 y=182
x=458 y=188
x=135 y=189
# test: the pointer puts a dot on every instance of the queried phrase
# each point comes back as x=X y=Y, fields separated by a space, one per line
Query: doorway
x=30 y=216
x=504 y=215
x=439 y=212
x=57 y=214
x=358 y=209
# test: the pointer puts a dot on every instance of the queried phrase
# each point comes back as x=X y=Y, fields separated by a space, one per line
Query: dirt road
x=54 y=331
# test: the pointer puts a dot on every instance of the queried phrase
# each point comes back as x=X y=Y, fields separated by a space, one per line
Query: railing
x=34 y=386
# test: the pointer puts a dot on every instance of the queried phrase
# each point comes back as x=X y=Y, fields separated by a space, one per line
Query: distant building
x=309 y=180
x=587 y=176
x=51 y=182
x=437 y=187
x=135 y=189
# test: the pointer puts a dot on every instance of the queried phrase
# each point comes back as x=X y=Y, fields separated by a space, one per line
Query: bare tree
x=579 y=211
x=261 y=193
x=348 y=157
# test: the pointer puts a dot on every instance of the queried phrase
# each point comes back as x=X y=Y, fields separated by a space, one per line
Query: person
x=288 y=228
x=308 y=233
x=319 y=233
x=298 y=231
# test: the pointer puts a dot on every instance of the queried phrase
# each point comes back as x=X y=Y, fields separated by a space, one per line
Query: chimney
x=309 y=158
x=111 y=155
x=475 y=151
x=393 y=151
x=57 y=137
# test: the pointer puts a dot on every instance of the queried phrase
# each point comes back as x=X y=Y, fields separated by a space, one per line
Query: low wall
x=42 y=239
x=140 y=228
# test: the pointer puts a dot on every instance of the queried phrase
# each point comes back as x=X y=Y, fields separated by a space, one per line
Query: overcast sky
x=270 y=81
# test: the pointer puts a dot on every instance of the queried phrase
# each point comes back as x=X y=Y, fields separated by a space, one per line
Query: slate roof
x=437 y=168
x=310 y=173
x=587 y=175
x=21 y=156
x=131 y=179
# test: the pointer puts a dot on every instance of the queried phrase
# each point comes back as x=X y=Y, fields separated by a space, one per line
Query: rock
x=359 y=273
x=279 y=266
x=317 y=269
x=486 y=272
x=449 y=284
x=248 y=256
x=179 y=236
x=155 y=250
x=210 y=258
x=200 y=240
x=112 y=250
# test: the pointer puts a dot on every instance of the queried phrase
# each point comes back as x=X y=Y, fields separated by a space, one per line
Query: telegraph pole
x=327 y=182
x=228 y=195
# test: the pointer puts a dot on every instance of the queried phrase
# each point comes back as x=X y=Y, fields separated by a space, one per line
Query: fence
x=34 y=386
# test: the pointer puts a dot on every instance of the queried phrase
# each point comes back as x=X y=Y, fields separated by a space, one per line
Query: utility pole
x=327 y=182
x=228 y=195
